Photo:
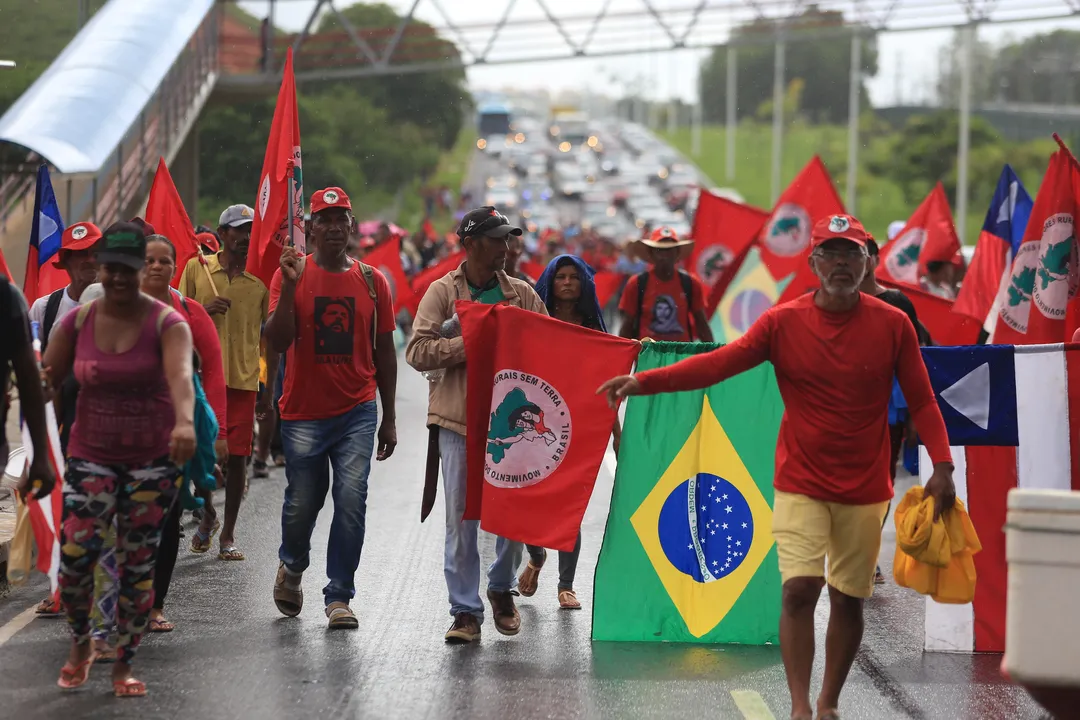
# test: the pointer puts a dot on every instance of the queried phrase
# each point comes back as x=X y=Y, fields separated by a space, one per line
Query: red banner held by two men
x=537 y=430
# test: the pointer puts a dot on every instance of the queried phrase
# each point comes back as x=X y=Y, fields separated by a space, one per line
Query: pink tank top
x=124 y=414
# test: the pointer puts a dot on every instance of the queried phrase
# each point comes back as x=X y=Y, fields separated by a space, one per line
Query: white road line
x=17 y=623
x=751 y=705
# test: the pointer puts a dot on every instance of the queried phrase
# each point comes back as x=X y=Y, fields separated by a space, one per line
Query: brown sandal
x=568 y=600
x=530 y=578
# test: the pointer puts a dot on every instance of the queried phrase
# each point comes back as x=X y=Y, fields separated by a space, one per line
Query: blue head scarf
x=587 y=304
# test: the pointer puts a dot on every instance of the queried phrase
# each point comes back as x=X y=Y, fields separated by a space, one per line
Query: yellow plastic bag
x=21 y=550
x=935 y=558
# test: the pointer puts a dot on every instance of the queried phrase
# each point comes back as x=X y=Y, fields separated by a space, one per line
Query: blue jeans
x=461 y=558
x=346 y=443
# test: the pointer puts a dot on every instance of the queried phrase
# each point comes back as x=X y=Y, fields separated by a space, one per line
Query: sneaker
x=466 y=629
x=504 y=612
x=341 y=617
x=879 y=579
x=288 y=593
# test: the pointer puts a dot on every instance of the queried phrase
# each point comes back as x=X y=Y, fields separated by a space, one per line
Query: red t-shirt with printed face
x=664 y=312
x=330 y=367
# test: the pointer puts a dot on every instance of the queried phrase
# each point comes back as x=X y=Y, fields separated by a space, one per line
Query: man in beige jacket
x=437 y=347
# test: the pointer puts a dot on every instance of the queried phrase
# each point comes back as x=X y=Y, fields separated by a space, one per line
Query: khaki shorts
x=806 y=530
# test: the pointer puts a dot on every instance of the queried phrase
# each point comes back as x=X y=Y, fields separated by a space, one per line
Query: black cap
x=486 y=221
x=123 y=243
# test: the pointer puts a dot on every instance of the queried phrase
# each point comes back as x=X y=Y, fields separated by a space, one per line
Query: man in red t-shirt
x=835 y=352
x=664 y=303
x=334 y=317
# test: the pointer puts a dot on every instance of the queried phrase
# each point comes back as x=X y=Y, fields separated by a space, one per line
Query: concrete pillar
x=185 y=173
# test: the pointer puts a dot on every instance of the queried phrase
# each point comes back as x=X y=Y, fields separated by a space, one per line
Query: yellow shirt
x=241 y=327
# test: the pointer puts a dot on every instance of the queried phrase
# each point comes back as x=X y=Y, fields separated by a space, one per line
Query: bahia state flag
x=688 y=552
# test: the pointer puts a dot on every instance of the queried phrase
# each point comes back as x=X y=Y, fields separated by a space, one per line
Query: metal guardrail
x=160 y=130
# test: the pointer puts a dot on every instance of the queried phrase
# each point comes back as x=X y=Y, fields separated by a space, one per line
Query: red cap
x=147 y=228
x=367 y=242
x=80 y=236
x=331 y=197
x=844 y=227
x=208 y=240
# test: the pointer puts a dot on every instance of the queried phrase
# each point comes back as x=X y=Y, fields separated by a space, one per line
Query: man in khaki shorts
x=835 y=352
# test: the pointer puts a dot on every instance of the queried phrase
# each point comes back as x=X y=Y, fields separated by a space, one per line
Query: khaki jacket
x=428 y=351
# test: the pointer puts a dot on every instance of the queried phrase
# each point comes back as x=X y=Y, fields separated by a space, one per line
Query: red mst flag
x=785 y=241
x=270 y=231
x=4 y=267
x=939 y=317
x=723 y=231
x=607 y=284
x=165 y=211
x=386 y=258
x=533 y=269
x=929 y=236
x=1044 y=272
x=536 y=429
x=423 y=279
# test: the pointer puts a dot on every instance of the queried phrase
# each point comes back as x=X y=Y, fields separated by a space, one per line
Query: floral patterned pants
x=139 y=499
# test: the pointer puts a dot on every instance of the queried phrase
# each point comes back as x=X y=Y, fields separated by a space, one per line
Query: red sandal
x=129 y=687
x=73 y=676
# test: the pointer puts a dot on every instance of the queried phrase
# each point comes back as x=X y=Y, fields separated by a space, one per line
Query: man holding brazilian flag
x=811 y=379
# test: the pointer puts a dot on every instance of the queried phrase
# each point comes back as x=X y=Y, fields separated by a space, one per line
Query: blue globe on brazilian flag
x=688 y=554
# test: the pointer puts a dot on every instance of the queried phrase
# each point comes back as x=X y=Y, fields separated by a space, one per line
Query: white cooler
x=1042 y=548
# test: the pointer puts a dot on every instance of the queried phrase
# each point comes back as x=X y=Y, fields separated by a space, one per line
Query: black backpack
x=688 y=290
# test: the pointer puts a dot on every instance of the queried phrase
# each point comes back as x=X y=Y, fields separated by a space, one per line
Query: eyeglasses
x=834 y=255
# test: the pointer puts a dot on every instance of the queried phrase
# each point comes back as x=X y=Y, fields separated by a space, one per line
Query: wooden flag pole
x=209 y=277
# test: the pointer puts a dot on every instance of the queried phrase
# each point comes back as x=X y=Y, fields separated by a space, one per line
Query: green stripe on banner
x=688 y=552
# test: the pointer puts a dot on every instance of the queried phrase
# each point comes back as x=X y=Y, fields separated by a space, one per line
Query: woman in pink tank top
x=133 y=430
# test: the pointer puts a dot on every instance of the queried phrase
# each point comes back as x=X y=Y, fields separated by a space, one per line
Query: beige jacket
x=427 y=351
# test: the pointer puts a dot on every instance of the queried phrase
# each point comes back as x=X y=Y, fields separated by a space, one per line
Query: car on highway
x=568 y=181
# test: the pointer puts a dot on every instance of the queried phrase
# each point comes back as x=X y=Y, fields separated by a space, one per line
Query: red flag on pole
x=270 y=231
x=1044 y=270
x=785 y=241
x=536 y=429
x=422 y=280
x=165 y=211
x=4 y=268
x=386 y=258
x=723 y=232
x=607 y=284
x=929 y=236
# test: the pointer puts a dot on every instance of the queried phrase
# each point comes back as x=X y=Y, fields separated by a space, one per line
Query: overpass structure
x=131 y=85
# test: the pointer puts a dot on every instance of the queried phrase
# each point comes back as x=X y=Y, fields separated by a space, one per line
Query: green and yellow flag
x=688 y=554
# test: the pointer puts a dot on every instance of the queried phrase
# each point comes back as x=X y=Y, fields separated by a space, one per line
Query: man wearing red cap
x=664 y=303
x=334 y=318
x=835 y=352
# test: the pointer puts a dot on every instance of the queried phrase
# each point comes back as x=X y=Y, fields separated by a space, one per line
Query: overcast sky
x=908 y=61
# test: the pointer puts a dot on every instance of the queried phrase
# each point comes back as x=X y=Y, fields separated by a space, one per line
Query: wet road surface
x=234 y=656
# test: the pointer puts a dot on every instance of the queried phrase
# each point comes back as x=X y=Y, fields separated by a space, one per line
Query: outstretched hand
x=619 y=387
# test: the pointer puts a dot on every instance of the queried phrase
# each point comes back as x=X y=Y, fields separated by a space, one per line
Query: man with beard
x=835 y=352
x=334 y=318
x=237 y=301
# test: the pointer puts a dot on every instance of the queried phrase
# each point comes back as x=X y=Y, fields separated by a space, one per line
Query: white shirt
x=37 y=310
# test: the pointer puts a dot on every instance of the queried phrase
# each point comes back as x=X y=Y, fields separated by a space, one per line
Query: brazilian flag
x=688 y=554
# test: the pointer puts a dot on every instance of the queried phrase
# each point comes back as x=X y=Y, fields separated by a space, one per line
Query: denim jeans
x=312 y=447
x=461 y=558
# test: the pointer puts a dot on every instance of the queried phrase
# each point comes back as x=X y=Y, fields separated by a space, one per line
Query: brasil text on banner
x=705 y=571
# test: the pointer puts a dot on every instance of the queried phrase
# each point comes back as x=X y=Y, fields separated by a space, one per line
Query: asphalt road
x=233 y=656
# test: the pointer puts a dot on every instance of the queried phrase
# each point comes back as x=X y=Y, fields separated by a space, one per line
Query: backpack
x=688 y=290
x=52 y=308
x=369 y=278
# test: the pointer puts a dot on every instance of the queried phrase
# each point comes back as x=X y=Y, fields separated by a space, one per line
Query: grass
x=450 y=172
x=878 y=200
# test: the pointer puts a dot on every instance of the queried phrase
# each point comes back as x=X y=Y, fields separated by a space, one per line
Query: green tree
x=821 y=66
x=434 y=101
x=1042 y=68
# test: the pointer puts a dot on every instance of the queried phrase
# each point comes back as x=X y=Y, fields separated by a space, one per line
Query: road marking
x=17 y=623
x=751 y=705
x=609 y=463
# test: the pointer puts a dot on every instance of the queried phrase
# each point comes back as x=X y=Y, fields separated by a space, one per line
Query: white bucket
x=1042 y=548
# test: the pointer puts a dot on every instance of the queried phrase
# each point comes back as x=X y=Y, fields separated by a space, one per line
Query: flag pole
x=209 y=277
x=290 y=170
x=1065 y=149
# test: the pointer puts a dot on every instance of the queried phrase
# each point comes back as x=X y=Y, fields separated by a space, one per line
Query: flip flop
x=73 y=676
x=105 y=653
x=49 y=608
x=230 y=553
x=568 y=600
x=530 y=577
x=129 y=687
x=200 y=542
x=160 y=625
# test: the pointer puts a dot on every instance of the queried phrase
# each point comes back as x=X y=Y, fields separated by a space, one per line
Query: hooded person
x=568 y=289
